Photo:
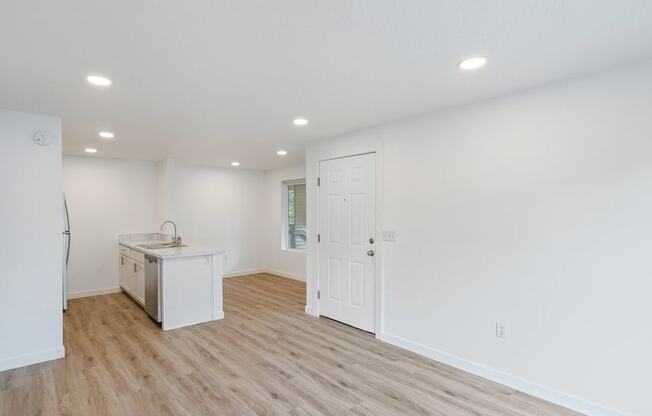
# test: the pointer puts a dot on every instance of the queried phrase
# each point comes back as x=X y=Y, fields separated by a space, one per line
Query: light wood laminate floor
x=267 y=357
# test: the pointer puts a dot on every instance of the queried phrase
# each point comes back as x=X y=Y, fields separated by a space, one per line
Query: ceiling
x=208 y=82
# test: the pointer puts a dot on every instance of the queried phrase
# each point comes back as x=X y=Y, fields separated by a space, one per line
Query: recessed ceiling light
x=300 y=121
x=235 y=163
x=90 y=150
x=98 y=80
x=106 y=135
x=472 y=63
x=281 y=152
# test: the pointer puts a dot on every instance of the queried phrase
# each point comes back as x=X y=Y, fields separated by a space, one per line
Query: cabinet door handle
x=122 y=261
x=135 y=268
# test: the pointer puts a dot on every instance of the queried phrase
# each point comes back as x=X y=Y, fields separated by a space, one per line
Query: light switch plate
x=501 y=330
x=389 y=235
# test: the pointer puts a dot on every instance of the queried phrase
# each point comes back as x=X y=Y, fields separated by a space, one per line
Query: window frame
x=285 y=227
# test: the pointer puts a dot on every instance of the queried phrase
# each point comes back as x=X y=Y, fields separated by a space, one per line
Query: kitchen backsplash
x=144 y=237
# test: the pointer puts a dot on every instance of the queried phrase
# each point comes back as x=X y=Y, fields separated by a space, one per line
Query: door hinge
x=318 y=294
x=319 y=238
x=318 y=181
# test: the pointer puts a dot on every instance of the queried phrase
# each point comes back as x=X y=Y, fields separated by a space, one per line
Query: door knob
x=371 y=253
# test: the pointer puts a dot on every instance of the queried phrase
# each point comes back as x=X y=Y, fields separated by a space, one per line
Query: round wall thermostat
x=43 y=138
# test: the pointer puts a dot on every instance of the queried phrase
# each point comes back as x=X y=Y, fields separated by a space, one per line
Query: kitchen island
x=177 y=286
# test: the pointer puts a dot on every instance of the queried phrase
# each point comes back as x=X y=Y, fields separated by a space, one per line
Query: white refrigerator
x=66 y=252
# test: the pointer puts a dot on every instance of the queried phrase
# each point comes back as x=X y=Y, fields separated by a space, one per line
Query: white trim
x=267 y=271
x=245 y=272
x=299 y=181
x=32 y=358
x=309 y=311
x=218 y=315
x=283 y=274
x=295 y=250
x=94 y=292
x=525 y=386
x=284 y=212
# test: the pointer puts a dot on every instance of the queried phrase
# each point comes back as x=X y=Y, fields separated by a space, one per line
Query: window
x=294 y=215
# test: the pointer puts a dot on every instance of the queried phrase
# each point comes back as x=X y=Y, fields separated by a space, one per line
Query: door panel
x=347 y=222
x=356 y=220
x=334 y=218
x=357 y=284
x=334 y=279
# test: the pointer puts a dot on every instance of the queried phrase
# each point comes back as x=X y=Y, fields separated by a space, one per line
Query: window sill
x=294 y=250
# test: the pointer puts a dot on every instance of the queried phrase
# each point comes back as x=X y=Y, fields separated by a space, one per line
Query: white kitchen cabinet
x=140 y=283
x=132 y=274
x=131 y=278
x=186 y=282
x=191 y=290
x=124 y=271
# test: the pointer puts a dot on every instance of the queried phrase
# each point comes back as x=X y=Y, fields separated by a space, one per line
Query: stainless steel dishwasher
x=153 y=287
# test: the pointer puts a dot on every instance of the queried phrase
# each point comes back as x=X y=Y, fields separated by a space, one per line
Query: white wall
x=106 y=197
x=31 y=208
x=534 y=210
x=288 y=263
x=220 y=208
x=164 y=174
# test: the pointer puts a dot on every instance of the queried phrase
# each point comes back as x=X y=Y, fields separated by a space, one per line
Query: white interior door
x=347 y=221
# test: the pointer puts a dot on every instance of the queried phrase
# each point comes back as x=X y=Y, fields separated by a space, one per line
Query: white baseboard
x=94 y=292
x=245 y=272
x=218 y=315
x=240 y=273
x=283 y=274
x=533 y=389
x=32 y=358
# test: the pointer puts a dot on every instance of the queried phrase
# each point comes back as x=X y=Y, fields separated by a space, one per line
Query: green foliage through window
x=296 y=215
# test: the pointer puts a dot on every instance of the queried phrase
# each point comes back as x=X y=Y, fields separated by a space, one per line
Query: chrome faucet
x=177 y=238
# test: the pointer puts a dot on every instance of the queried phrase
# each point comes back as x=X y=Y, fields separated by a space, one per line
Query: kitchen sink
x=154 y=246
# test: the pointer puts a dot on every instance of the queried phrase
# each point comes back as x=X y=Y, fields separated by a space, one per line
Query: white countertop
x=173 y=252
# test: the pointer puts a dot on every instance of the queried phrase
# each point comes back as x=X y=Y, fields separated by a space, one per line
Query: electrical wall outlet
x=389 y=235
x=501 y=330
